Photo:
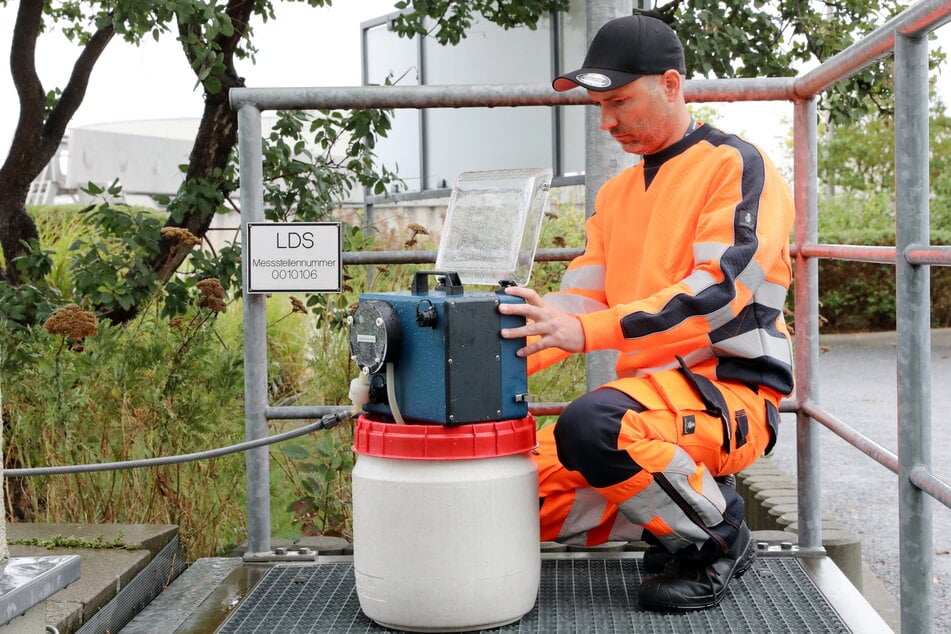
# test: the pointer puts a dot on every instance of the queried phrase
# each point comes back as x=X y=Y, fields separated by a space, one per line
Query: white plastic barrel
x=445 y=524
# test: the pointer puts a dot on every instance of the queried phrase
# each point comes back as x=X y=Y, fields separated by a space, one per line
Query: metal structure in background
x=906 y=34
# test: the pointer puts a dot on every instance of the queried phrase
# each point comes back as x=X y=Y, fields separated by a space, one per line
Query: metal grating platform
x=577 y=595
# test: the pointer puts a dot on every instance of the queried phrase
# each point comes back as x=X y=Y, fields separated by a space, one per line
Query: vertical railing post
x=255 y=337
x=806 y=320
x=603 y=159
x=913 y=297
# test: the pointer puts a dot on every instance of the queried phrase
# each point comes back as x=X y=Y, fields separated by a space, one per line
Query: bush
x=860 y=296
x=150 y=388
x=103 y=394
x=169 y=382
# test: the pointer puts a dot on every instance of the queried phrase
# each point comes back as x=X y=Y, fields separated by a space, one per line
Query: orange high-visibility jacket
x=687 y=255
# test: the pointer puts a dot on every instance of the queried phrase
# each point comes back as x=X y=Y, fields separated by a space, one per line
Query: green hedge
x=860 y=296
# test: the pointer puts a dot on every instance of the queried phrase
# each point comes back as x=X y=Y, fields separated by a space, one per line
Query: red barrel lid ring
x=383 y=439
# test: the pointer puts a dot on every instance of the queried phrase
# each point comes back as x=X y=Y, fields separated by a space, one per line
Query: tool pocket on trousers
x=686 y=420
x=714 y=403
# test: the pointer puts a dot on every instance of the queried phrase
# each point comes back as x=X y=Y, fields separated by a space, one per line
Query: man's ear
x=673 y=83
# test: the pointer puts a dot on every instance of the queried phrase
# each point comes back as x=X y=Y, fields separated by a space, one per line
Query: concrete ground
x=857 y=383
x=112 y=557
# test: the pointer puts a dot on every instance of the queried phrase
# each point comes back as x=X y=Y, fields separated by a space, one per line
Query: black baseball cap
x=623 y=50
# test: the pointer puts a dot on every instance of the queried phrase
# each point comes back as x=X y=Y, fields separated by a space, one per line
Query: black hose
x=327 y=422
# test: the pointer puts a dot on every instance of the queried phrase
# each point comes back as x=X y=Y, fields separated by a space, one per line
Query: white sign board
x=289 y=257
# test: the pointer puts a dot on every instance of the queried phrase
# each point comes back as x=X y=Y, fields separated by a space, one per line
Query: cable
x=391 y=394
x=327 y=422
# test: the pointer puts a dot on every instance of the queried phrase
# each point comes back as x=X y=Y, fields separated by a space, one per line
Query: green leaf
x=295 y=452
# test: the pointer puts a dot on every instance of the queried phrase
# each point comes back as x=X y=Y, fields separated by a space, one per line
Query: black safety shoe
x=682 y=588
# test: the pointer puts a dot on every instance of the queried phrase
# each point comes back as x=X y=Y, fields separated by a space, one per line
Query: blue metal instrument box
x=442 y=350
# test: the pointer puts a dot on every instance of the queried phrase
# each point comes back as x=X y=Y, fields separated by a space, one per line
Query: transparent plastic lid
x=492 y=225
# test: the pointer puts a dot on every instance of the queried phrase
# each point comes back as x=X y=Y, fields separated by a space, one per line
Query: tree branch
x=16 y=226
x=239 y=12
x=216 y=137
x=32 y=98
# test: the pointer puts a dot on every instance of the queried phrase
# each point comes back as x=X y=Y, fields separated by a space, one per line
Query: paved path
x=857 y=383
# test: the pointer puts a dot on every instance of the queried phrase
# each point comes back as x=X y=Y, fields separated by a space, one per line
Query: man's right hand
x=546 y=327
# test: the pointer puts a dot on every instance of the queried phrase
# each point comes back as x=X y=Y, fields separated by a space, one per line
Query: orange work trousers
x=638 y=458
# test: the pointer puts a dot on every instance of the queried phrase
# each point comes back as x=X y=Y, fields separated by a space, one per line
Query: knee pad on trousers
x=586 y=436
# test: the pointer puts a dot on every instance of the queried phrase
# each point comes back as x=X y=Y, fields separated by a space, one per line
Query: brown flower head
x=73 y=322
x=297 y=306
x=212 y=303
x=417 y=230
x=179 y=234
x=212 y=294
x=211 y=287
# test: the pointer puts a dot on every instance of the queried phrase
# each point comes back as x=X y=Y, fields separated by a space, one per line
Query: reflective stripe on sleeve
x=589 y=277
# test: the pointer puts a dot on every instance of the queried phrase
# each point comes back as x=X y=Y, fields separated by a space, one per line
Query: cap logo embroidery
x=595 y=80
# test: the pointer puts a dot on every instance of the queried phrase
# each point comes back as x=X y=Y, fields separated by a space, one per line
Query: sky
x=302 y=47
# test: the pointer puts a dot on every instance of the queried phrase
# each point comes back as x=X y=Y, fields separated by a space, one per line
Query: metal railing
x=906 y=35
